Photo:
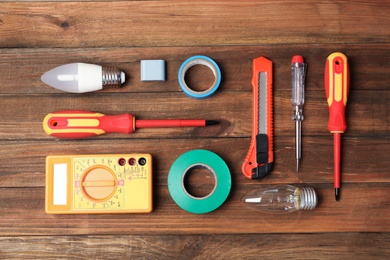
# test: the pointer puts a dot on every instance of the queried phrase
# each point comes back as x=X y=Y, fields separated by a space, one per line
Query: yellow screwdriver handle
x=337 y=88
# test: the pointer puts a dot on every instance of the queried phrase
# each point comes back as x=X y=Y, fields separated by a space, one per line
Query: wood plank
x=36 y=36
x=172 y=23
x=368 y=65
x=23 y=162
x=232 y=109
x=23 y=214
x=265 y=246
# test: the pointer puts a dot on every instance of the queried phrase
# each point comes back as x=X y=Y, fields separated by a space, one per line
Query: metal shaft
x=298 y=135
x=112 y=77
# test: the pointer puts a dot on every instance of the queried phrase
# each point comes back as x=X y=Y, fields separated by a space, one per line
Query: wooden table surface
x=37 y=36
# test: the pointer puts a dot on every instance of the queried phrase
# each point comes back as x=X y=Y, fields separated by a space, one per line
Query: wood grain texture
x=36 y=36
x=264 y=246
x=23 y=214
x=367 y=61
x=23 y=161
x=232 y=109
x=170 y=23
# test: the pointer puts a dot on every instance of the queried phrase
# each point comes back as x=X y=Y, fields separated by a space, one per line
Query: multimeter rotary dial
x=98 y=183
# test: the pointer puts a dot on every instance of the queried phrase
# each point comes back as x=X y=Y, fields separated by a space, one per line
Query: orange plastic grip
x=336 y=83
x=251 y=162
x=82 y=124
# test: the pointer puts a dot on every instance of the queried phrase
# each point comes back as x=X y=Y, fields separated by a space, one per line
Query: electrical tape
x=202 y=60
x=188 y=161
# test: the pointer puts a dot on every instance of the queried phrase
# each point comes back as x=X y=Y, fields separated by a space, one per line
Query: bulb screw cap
x=112 y=77
x=309 y=198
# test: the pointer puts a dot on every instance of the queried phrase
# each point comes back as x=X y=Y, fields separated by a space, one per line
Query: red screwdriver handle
x=337 y=87
x=82 y=124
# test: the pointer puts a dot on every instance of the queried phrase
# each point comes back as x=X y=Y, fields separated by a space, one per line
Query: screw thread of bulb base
x=111 y=77
x=309 y=198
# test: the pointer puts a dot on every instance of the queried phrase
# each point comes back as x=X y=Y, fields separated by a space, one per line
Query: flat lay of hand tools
x=194 y=129
x=257 y=164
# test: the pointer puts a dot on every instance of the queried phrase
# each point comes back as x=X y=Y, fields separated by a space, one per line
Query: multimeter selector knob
x=99 y=183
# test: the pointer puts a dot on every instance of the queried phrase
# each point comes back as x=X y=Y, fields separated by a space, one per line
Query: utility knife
x=260 y=158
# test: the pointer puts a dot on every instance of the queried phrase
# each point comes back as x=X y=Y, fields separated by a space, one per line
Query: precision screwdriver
x=82 y=124
x=336 y=82
x=298 y=72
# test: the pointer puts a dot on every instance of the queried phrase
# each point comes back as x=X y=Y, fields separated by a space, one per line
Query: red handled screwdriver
x=337 y=87
x=81 y=124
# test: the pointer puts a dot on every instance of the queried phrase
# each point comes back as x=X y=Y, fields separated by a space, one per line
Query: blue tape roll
x=202 y=60
x=199 y=158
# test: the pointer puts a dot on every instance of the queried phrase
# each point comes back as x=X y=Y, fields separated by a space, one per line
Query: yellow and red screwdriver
x=336 y=82
x=82 y=124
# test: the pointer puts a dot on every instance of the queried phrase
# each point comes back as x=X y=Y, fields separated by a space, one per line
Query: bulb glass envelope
x=76 y=77
x=280 y=199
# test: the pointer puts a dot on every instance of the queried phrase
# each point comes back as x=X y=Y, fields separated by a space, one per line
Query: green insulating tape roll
x=188 y=161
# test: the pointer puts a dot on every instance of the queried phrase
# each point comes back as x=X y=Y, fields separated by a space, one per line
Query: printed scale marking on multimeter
x=119 y=183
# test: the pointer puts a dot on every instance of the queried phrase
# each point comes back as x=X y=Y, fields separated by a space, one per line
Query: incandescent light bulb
x=83 y=77
x=281 y=199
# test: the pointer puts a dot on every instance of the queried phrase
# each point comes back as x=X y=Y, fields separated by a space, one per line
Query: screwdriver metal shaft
x=298 y=73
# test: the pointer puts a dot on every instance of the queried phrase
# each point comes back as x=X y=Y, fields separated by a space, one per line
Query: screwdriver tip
x=337 y=193
x=211 y=122
x=297 y=165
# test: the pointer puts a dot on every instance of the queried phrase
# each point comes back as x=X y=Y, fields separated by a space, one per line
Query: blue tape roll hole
x=199 y=60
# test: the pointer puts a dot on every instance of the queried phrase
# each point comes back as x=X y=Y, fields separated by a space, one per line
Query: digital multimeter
x=104 y=183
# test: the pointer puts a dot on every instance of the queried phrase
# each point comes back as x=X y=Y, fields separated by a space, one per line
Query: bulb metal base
x=308 y=197
x=112 y=77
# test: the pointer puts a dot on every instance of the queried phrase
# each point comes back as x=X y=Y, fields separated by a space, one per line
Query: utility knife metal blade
x=260 y=158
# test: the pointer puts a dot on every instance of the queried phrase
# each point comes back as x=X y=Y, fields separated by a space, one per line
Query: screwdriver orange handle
x=336 y=83
x=337 y=87
x=81 y=124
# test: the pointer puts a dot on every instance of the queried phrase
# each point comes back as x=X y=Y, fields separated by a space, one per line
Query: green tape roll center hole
x=199 y=181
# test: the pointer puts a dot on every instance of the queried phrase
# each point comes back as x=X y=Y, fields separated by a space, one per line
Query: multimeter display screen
x=60 y=184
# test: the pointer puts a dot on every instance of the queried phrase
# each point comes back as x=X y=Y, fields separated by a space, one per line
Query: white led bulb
x=83 y=77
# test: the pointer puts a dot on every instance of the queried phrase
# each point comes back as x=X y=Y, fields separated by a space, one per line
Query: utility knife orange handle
x=259 y=160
